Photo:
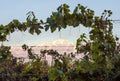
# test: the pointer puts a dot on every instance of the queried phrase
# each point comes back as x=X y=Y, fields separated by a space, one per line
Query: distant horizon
x=17 y=10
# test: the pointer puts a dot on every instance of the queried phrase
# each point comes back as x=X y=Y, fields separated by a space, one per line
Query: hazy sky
x=17 y=9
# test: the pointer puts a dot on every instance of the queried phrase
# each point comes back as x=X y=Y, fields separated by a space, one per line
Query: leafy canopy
x=101 y=52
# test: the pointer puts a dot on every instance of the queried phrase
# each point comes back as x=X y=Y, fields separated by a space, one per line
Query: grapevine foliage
x=101 y=50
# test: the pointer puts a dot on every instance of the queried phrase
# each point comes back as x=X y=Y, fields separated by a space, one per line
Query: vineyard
x=100 y=52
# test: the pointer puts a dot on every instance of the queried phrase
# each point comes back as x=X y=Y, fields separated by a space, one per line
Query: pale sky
x=17 y=9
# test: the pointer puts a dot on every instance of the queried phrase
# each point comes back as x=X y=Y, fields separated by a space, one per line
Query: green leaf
x=31 y=30
x=55 y=73
x=53 y=29
x=41 y=21
x=38 y=32
x=46 y=27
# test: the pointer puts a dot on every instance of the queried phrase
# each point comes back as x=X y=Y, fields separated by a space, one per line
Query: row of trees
x=101 y=50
